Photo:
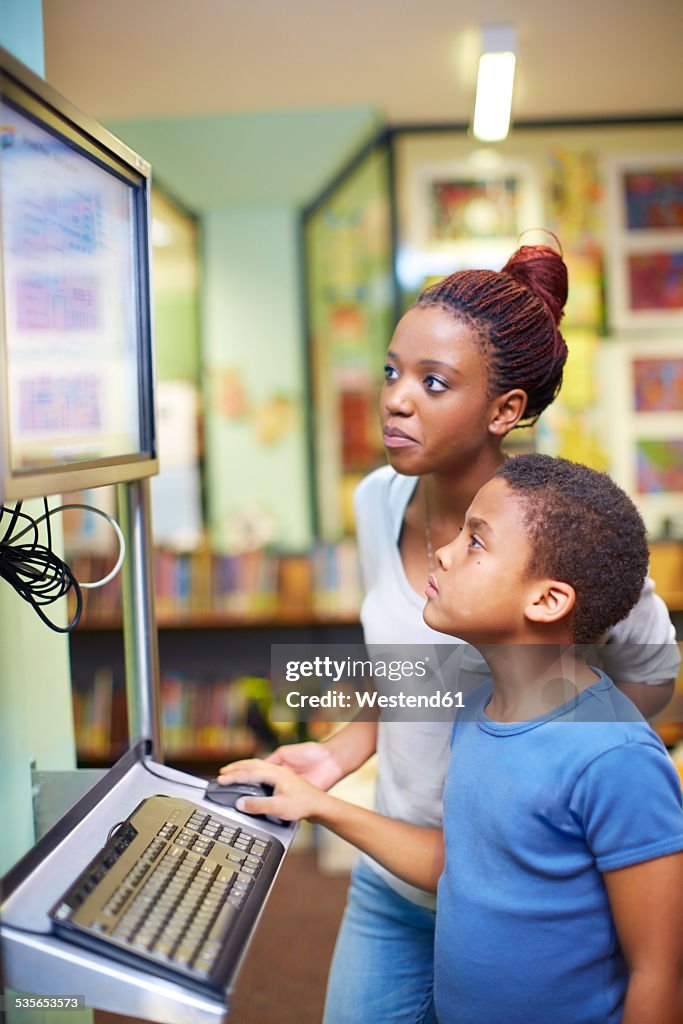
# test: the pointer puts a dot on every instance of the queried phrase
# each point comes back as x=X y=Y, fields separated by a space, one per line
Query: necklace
x=428 y=535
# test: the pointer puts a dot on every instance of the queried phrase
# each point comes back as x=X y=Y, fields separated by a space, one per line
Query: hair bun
x=543 y=271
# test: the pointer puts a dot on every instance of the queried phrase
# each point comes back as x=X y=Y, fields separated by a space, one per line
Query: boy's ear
x=506 y=411
x=551 y=601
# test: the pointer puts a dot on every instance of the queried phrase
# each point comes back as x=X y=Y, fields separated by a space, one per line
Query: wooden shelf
x=190 y=759
x=673 y=599
x=233 y=620
x=666 y=569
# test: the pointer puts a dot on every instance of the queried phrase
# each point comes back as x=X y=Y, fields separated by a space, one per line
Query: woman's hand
x=293 y=796
x=314 y=762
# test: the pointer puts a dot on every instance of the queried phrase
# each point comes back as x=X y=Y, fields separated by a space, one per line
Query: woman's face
x=434 y=405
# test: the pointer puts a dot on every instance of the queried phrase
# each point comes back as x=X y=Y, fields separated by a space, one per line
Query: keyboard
x=175 y=891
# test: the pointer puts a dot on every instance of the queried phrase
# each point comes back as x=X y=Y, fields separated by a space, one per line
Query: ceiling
x=414 y=60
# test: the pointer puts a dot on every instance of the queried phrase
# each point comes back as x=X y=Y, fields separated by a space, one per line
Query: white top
x=413 y=756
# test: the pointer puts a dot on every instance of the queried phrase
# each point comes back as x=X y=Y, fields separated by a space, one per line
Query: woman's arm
x=641 y=654
x=649 y=698
x=414 y=854
x=647 y=906
x=330 y=760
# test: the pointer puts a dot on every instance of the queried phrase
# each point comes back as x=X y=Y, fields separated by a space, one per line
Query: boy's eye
x=435 y=384
x=390 y=373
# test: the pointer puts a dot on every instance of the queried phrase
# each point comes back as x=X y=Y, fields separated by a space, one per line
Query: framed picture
x=645 y=221
x=658 y=382
x=642 y=384
x=659 y=465
x=464 y=214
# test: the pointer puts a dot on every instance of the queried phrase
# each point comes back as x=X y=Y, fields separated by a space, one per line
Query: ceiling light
x=493 y=102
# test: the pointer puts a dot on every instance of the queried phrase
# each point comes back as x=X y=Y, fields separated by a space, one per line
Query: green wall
x=21 y=32
x=212 y=161
x=175 y=321
x=252 y=338
x=35 y=696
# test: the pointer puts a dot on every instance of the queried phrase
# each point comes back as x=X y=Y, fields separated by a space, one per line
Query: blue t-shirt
x=534 y=812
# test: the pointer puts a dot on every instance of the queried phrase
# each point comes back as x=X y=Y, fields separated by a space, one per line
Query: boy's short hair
x=584 y=531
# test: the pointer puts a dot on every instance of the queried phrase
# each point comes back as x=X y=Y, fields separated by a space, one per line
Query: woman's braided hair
x=516 y=312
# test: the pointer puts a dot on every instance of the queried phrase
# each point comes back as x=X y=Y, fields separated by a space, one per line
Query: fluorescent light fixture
x=493 y=103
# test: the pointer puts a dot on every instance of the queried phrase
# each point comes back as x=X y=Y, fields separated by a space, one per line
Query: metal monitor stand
x=54 y=792
x=139 y=627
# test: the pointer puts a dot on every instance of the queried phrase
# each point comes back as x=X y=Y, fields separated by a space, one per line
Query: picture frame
x=658 y=381
x=642 y=380
x=466 y=213
x=659 y=465
x=645 y=232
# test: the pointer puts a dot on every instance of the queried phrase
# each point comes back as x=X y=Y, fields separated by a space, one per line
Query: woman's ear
x=552 y=601
x=506 y=411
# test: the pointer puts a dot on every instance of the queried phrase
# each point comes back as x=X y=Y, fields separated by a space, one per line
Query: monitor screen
x=76 y=347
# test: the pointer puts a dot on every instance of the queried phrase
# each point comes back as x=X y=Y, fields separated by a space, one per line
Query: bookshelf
x=217 y=617
x=202 y=588
x=214 y=689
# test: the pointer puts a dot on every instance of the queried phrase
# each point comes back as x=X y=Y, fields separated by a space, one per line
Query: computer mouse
x=228 y=795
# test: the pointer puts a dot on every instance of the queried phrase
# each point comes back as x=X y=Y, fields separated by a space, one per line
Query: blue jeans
x=383 y=966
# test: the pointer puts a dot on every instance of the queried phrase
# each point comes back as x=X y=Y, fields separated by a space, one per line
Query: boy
x=561 y=897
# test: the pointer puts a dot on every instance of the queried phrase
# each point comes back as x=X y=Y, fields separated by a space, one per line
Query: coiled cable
x=32 y=568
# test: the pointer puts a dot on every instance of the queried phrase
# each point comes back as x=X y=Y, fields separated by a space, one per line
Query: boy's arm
x=414 y=854
x=646 y=900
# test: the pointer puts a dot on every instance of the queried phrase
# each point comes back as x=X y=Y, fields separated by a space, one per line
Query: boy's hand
x=312 y=761
x=293 y=796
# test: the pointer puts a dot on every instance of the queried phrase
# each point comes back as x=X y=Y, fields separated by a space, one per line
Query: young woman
x=479 y=354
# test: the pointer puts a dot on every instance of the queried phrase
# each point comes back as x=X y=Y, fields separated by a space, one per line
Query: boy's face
x=480 y=587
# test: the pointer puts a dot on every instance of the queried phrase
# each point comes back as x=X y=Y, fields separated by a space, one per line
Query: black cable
x=39 y=576
x=113 y=829
x=176 y=782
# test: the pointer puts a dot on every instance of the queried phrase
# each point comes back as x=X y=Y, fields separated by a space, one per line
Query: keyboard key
x=163 y=949
x=221 y=926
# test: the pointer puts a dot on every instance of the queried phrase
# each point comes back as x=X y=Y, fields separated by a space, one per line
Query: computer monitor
x=76 y=363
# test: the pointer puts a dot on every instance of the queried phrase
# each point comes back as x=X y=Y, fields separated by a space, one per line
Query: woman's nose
x=397 y=398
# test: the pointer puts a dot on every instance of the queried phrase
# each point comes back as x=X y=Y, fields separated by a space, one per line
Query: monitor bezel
x=37 y=100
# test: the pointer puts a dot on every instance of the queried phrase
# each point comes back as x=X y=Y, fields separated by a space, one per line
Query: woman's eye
x=475 y=542
x=435 y=385
x=390 y=373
